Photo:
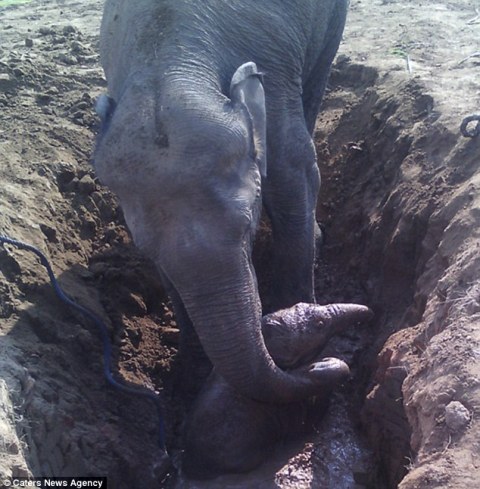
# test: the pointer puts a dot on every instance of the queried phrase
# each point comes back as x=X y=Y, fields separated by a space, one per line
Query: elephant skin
x=230 y=433
x=210 y=110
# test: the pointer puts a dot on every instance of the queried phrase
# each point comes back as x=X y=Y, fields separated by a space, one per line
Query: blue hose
x=107 y=347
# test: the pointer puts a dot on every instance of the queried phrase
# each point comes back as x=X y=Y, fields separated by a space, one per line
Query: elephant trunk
x=226 y=312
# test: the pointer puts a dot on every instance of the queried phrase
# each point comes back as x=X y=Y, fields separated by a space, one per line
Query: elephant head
x=186 y=162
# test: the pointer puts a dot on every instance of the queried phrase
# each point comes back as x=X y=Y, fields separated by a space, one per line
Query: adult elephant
x=211 y=108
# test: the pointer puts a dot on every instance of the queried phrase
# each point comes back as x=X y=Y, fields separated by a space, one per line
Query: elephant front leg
x=195 y=365
x=290 y=197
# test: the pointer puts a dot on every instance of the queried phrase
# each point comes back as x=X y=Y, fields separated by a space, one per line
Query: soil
x=400 y=206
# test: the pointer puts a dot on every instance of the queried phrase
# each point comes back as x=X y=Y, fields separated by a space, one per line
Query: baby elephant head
x=249 y=429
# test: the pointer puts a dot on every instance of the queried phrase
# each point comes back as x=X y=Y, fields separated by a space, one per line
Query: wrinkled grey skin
x=194 y=138
x=249 y=429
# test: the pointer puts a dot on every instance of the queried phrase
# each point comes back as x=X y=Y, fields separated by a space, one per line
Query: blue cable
x=107 y=348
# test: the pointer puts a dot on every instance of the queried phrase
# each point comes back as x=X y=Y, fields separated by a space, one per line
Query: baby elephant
x=230 y=433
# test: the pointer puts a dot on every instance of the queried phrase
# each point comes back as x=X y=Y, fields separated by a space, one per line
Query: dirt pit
x=400 y=207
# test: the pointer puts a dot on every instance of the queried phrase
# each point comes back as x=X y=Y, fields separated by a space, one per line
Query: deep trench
x=374 y=251
x=375 y=226
x=372 y=254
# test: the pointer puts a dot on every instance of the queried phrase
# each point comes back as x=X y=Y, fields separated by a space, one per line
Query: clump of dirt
x=399 y=206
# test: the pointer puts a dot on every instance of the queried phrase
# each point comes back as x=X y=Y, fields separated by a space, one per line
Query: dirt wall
x=400 y=210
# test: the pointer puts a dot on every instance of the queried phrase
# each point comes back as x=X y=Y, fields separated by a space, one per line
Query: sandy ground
x=400 y=206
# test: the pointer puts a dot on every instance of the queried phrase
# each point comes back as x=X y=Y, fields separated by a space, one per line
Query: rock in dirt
x=49 y=232
x=19 y=471
x=10 y=456
x=18 y=72
x=170 y=335
x=457 y=416
x=69 y=29
x=80 y=49
x=6 y=82
x=59 y=40
x=53 y=91
x=43 y=98
x=65 y=176
x=86 y=185
x=46 y=31
x=67 y=59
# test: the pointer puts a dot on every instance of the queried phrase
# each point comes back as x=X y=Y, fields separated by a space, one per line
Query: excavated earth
x=400 y=207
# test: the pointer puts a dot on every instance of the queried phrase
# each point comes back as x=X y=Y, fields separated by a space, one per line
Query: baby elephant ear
x=246 y=88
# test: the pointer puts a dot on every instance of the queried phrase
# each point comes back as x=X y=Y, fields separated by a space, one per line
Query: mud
x=400 y=209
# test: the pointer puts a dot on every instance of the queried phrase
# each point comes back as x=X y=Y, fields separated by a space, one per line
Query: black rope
x=475 y=131
x=107 y=348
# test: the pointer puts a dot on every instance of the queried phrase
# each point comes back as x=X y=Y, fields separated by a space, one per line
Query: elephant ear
x=246 y=88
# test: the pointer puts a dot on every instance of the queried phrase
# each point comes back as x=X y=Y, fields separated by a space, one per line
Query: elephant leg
x=195 y=365
x=290 y=197
x=315 y=81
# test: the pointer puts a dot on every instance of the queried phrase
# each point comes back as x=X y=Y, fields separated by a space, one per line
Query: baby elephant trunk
x=294 y=336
